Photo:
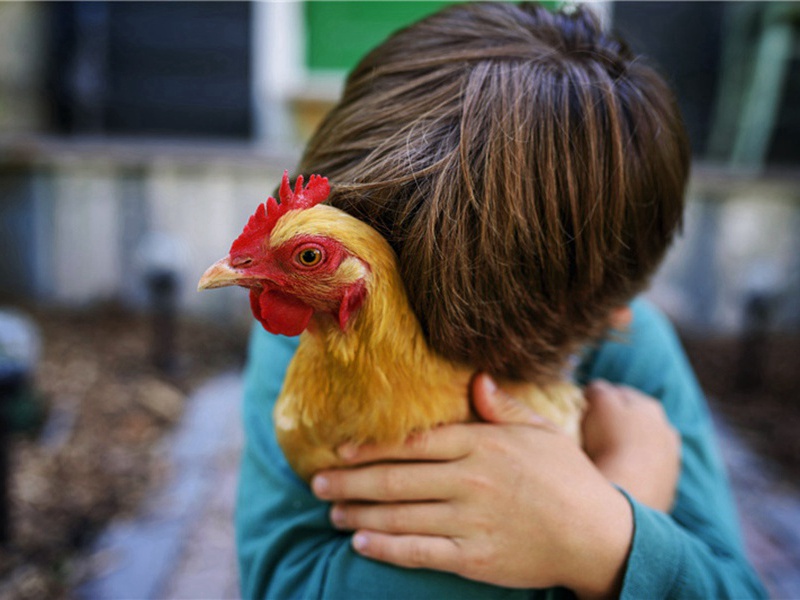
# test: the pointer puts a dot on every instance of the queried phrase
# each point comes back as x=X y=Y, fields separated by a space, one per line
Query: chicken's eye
x=309 y=257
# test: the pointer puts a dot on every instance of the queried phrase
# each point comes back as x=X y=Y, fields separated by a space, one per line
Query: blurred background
x=136 y=138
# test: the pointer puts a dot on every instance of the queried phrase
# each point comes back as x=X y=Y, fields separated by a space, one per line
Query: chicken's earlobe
x=352 y=300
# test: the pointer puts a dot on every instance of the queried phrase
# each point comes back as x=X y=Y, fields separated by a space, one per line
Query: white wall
x=741 y=237
x=110 y=213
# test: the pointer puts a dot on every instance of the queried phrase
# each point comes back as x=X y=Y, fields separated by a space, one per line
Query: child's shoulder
x=650 y=325
x=648 y=355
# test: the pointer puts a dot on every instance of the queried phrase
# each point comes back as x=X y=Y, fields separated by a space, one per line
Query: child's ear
x=621 y=317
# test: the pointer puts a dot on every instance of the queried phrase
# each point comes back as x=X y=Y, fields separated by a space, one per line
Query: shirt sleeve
x=286 y=545
x=696 y=551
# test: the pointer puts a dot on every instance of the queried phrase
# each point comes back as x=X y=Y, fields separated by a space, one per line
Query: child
x=529 y=172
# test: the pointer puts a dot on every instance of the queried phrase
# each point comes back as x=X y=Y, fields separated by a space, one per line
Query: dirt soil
x=97 y=453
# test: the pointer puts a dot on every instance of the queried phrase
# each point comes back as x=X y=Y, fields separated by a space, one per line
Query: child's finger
x=603 y=422
x=406 y=518
x=399 y=482
x=602 y=396
x=449 y=442
x=411 y=551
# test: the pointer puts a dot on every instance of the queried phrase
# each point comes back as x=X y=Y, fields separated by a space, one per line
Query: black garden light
x=19 y=411
x=160 y=259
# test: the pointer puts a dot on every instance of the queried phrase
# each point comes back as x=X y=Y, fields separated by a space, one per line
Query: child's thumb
x=496 y=406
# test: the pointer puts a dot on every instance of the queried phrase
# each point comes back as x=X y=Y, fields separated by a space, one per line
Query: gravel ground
x=97 y=454
x=755 y=384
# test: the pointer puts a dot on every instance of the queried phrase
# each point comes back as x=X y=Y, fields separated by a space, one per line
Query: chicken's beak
x=220 y=274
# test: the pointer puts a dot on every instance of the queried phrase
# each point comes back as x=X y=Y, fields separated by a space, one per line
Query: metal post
x=754 y=342
x=12 y=378
x=163 y=286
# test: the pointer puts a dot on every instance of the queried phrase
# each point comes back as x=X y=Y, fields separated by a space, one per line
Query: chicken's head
x=292 y=258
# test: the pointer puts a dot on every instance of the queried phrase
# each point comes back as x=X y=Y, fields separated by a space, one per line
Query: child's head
x=528 y=170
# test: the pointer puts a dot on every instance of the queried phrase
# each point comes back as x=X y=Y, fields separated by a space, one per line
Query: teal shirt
x=288 y=549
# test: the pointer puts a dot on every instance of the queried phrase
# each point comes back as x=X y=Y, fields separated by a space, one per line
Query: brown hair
x=527 y=168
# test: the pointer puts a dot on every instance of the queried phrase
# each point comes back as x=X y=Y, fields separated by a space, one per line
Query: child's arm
x=470 y=498
x=695 y=552
x=513 y=502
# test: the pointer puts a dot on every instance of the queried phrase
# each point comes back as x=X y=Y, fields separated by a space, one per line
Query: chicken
x=363 y=371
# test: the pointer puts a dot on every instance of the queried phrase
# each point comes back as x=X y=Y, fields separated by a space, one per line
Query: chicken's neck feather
x=377 y=380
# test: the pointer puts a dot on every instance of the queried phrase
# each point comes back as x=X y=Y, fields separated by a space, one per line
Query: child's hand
x=512 y=502
x=628 y=437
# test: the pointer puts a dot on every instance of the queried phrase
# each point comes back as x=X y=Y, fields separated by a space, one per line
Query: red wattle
x=280 y=313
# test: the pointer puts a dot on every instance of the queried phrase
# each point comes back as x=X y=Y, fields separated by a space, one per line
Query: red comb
x=267 y=215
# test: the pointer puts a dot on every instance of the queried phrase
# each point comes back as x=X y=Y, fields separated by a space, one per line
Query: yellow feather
x=377 y=381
